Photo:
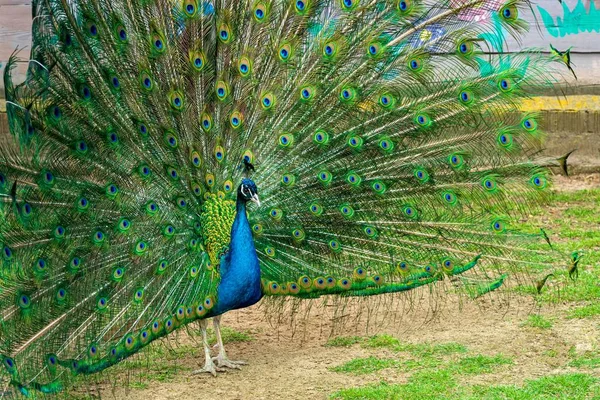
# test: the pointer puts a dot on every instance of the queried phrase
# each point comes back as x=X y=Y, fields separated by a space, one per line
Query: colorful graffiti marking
x=580 y=19
x=478 y=12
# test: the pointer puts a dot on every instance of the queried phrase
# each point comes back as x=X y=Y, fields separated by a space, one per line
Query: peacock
x=173 y=160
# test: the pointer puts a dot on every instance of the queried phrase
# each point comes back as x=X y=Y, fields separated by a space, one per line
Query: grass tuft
x=538 y=321
x=230 y=336
x=589 y=360
x=442 y=385
x=381 y=341
x=361 y=366
x=588 y=311
x=480 y=364
x=565 y=387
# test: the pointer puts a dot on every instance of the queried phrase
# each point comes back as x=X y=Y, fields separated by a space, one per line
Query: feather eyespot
x=298 y=234
x=347 y=210
x=529 y=124
x=489 y=184
x=225 y=35
x=321 y=137
x=267 y=101
x=449 y=197
x=415 y=64
x=86 y=92
x=421 y=175
x=539 y=181
x=386 y=101
x=466 y=97
x=465 y=48
x=378 y=187
x=208 y=303
x=236 y=119
x=140 y=248
x=348 y=94
x=505 y=85
x=355 y=142
x=410 y=212
x=162 y=267
x=345 y=283
x=305 y=282
x=285 y=52
x=286 y=140
x=386 y=145
x=124 y=225
x=330 y=50
x=176 y=100
x=206 y=122
x=200 y=311
x=509 y=13
x=370 y=231
x=349 y=5
x=190 y=8
x=360 y=273
x=222 y=90
x=325 y=177
x=316 y=209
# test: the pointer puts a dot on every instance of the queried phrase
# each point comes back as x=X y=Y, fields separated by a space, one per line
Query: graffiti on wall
x=582 y=18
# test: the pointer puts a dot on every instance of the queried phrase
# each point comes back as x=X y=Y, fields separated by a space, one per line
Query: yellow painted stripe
x=569 y=103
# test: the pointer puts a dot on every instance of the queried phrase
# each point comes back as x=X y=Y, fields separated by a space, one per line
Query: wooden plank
x=15 y=31
x=15 y=2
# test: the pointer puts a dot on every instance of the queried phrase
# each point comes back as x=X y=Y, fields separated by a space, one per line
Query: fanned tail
x=383 y=137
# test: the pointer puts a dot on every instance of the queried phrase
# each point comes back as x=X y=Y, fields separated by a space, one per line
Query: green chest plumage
x=216 y=220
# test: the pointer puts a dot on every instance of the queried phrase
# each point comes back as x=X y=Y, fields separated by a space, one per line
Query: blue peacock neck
x=240 y=269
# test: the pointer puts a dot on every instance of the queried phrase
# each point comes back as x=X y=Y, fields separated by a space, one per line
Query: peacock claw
x=209 y=368
x=227 y=363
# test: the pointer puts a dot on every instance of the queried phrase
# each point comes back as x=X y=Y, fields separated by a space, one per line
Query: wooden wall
x=573 y=23
x=15 y=31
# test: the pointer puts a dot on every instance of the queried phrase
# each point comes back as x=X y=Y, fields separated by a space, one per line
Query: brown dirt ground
x=282 y=367
x=287 y=363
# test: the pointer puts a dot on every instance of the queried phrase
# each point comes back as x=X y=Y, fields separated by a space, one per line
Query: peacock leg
x=221 y=358
x=209 y=365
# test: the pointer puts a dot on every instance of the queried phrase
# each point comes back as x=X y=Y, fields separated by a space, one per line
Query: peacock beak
x=255 y=199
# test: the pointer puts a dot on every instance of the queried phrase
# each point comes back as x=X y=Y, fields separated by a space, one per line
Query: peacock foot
x=209 y=368
x=224 y=362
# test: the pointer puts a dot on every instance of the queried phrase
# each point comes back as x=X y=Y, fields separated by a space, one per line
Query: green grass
x=588 y=311
x=382 y=341
x=368 y=365
x=434 y=385
x=538 y=321
x=392 y=343
x=229 y=336
x=589 y=360
x=361 y=366
x=565 y=387
x=480 y=364
x=420 y=356
x=443 y=385
x=572 y=225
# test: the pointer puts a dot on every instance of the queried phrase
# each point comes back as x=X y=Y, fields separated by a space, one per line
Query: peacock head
x=248 y=191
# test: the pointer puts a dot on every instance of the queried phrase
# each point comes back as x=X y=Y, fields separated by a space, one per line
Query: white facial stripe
x=244 y=190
